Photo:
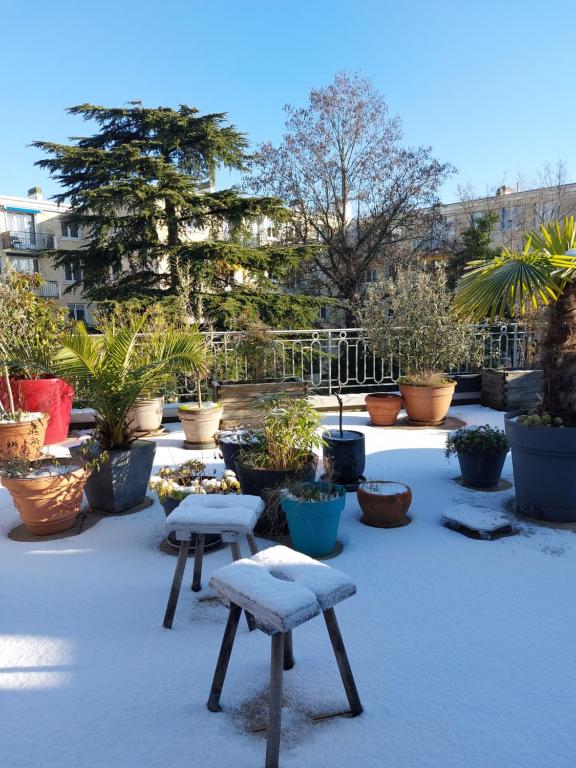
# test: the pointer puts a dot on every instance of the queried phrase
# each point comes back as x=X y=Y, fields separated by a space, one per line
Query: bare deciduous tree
x=355 y=190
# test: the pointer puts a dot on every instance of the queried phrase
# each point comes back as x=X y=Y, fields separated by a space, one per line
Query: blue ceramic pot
x=313 y=525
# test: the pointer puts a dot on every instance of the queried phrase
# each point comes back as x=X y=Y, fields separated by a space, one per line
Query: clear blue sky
x=490 y=85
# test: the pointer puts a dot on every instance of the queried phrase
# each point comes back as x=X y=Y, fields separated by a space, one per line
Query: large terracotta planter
x=23 y=439
x=200 y=424
x=427 y=406
x=386 y=508
x=51 y=396
x=145 y=416
x=383 y=408
x=49 y=504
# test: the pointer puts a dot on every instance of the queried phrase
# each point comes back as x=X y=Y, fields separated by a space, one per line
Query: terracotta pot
x=145 y=416
x=50 y=504
x=384 y=510
x=200 y=424
x=427 y=406
x=383 y=407
x=23 y=439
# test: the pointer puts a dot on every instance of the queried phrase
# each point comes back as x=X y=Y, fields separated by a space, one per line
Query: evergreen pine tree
x=141 y=188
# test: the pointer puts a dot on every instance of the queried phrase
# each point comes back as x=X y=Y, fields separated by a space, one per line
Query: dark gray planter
x=122 y=480
x=544 y=462
x=345 y=454
x=481 y=470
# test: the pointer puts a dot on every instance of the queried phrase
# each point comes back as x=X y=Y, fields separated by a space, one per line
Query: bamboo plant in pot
x=282 y=451
x=543 y=444
x=113 y=376
x=411 y=322
x=32 y=329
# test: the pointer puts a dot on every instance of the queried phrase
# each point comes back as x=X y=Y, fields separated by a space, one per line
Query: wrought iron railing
x=27 y=241
x=334 y=358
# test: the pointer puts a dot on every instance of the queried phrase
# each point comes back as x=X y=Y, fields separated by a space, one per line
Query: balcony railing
x=27 y=241
x=49 y=290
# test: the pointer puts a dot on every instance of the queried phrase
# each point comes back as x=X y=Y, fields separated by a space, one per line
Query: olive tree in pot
x=113 y=376
x=543 y=445
x=410 y=321
x=282 y=452
x=481 y=452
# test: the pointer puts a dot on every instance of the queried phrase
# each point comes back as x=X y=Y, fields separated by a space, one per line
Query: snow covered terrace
x=462 y=649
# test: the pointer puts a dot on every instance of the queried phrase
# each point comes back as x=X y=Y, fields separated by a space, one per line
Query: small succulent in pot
x=481 y=452
x=177 y=482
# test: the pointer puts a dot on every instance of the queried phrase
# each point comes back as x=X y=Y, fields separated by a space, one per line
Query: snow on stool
x=281 y=589
x=229 y=515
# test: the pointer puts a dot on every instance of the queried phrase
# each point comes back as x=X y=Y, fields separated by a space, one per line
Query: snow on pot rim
x=347 y=434
x=207 y=406
x=383 y=487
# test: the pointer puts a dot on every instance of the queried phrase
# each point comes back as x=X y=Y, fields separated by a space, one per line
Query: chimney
x=504 y=191
x=35 y=193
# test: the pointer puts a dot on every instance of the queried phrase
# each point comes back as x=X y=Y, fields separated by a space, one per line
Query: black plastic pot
x=481 y=470
x=122 y=479
x=229 y=450
x=544 y=463
x=263 y=483
x=344 y=455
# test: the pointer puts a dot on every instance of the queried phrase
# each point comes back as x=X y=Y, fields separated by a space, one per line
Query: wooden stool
x=281 y=589
x=229 y=515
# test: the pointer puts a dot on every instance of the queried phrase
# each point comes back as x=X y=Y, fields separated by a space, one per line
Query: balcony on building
x=26 y=241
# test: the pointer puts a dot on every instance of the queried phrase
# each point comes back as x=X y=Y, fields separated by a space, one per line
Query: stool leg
x=252 y=543
x=176 y=583
x=288 y=652
x=342 y=661
x=224 y=658
x=275 y=703
x=236 y=555
x=198 y=557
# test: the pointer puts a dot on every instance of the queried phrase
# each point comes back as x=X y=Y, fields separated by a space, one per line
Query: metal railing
x=49 y=289
x=334 y=358
x=27 y=241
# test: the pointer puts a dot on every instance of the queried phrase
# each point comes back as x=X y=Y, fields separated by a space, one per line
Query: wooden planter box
x=240 y=399
x=511 y=390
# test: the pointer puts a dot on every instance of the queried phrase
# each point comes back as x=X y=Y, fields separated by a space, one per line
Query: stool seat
x=214 y=513
x=281 y=588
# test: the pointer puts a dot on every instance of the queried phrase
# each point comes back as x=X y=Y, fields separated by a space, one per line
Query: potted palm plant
x=481 y=454
x=113 y=376
x=313 y=514
x=282 y=451
x=543 y=445
x=410 y=321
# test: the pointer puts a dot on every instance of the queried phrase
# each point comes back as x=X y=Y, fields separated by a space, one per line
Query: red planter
x=51 y=396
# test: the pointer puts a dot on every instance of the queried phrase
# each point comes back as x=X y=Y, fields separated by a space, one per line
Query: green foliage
x=544 y=419
x=483 y=439
x=288 y=433
x=475 y=246
x=426 y=379
x=307 y=492
x=410 y=320
x=140 y=187
x=112 y=371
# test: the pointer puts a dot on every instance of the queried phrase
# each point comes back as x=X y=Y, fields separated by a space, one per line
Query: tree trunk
x=172 y=240
x=559 y=357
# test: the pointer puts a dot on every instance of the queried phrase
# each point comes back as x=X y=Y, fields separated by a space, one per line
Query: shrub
x=484 y=439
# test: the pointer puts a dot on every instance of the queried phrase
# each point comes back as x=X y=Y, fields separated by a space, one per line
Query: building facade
x=29 y=226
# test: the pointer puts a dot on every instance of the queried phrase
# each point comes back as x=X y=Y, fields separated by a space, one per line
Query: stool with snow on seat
x=281 y=589
x=232 y=516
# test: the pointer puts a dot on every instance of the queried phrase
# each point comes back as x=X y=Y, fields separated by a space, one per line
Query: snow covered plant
x=312 y=492
x=477 y=439
x=183 y=479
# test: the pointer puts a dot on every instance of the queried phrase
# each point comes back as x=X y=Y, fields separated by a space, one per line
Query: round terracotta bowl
x=384 y=503
x=383 y=408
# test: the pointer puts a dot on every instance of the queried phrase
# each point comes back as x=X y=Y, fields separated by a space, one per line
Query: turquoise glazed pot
x=313 y=525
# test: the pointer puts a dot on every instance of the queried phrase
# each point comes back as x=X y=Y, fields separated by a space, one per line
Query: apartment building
x=515 y=212
x=28 y=227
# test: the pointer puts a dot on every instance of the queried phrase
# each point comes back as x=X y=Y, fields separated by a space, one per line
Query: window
x=20 y=222
x=476 y=217
x=323 y=313
x=371 y=276
x=71 y=230
x=72 y=272
x=26 y=264
x=509 y=217
x=77 y=311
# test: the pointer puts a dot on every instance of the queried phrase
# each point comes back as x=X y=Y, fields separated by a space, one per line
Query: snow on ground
x=463 y=650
